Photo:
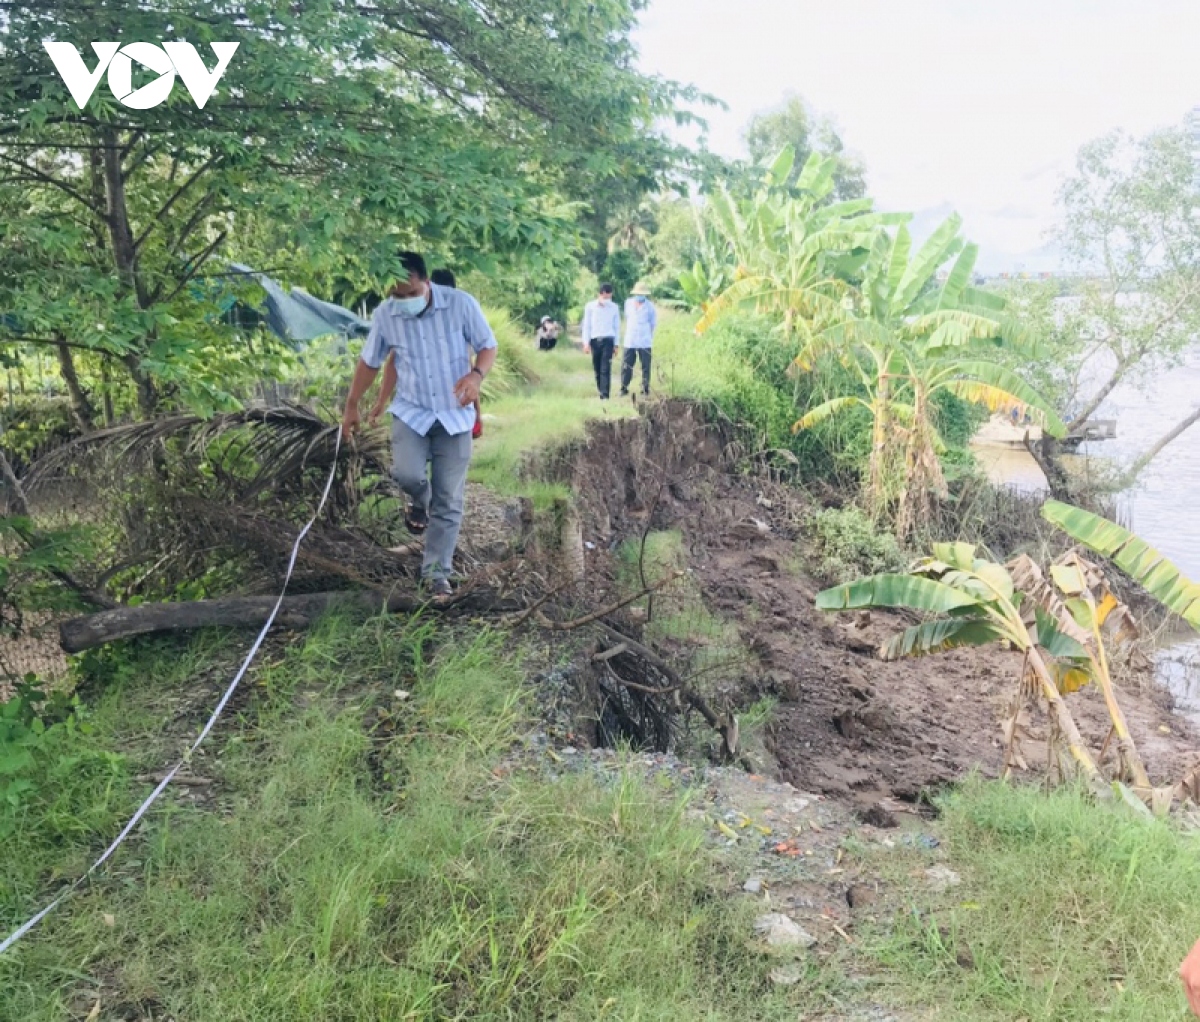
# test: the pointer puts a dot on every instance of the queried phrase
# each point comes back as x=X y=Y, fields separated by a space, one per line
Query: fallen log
x=80 y=633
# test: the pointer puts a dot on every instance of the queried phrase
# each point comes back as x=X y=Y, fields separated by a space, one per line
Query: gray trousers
x=440 y=492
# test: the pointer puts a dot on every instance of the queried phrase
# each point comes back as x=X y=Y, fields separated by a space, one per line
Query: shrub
x=53 y=779
x=848 y=546
x=514 y=362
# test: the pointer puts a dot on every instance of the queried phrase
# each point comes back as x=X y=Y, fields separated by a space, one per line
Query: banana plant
x=911 y=338
x=1134 y=556
x=976 y=602
x=791 y=249
x=1082 y=605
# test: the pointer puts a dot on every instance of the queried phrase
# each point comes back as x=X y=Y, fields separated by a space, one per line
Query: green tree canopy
x=340 y=130
x=794 y=123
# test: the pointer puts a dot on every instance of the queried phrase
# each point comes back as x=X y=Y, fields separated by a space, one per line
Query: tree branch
x=51 y=180
x=193 y=265
x=1155 y=449
x=166 y=207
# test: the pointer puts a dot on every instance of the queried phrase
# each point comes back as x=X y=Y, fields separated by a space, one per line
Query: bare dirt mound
x=846 y=724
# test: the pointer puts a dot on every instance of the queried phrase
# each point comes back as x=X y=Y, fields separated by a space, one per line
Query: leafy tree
x=621 y=269
x=673 y=248
x=338 y=132
x=794 y=124
x=1130 y=228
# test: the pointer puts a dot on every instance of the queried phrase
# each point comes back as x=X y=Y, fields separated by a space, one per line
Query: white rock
x=942 y=878
x=780 y=931
x=787 y=975
x=753 y=886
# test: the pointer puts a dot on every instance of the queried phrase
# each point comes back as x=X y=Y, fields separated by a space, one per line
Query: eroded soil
x=847 y=725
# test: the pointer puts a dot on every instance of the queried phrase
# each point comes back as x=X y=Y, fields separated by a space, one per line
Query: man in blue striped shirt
x=431 y=332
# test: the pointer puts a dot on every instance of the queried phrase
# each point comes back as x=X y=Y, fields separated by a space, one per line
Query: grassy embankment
x=368 y=855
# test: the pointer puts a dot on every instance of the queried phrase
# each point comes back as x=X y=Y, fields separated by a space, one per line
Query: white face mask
x=411 y=308
x=604 y=299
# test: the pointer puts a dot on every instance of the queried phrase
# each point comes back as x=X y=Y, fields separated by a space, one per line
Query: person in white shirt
x=641 y=319
x=601 y=328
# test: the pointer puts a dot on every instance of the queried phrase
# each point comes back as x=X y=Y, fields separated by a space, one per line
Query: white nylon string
x=25 y=927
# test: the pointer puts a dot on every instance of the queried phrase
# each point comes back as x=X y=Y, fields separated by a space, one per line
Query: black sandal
x=416 y=519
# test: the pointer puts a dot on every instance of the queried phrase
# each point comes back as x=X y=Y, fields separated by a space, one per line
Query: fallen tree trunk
x=80 y=633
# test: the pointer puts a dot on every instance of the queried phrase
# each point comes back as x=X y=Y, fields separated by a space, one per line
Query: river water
x=1163 y=507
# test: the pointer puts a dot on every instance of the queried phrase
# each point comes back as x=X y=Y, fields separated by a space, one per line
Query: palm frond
x=282 y=451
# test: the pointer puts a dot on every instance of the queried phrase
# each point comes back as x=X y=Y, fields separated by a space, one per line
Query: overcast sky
x=978 y=105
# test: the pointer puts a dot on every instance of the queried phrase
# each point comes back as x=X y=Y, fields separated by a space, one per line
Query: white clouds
x=980 y=105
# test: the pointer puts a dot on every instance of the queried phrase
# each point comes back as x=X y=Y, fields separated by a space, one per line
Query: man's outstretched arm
x=387 y=387
x=1189 y=972
x=364 y=376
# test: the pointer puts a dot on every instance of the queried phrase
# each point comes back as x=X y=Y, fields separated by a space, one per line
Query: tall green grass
x=369 y=857
x=1068 y=910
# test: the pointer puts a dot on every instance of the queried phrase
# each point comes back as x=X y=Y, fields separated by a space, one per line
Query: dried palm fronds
x=240 y=456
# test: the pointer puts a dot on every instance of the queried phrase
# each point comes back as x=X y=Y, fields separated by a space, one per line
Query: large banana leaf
x=875 y=283
x=898 y=265
x=826 y=410
x=936 y=636
x=956 y=555
x=960 y=275
x=1134 y=556
x=817 y=176
x=743 y=290
x=952 y=328
x=939 y=246
x=921 y=594
x=959 y=377
x=983 y=299
x=1054 y=640
x=782 y=166
x=850 y=208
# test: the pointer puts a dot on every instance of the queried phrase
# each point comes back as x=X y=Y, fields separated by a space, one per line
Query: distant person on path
x=445 y=278
x=430 y=331
x=547 y=334
x=601 y=328
x=641 y=319
x=1189 y=972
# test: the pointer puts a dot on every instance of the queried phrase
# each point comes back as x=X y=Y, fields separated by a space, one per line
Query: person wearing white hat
x=547 y=333
x=641 y=319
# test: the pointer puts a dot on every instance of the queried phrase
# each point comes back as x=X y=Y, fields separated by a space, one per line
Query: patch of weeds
x=59 y=788
x=848 y=546
x=1067 y=909
x=461 y=891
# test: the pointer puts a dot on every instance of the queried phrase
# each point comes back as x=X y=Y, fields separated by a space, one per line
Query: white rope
x=25 y=927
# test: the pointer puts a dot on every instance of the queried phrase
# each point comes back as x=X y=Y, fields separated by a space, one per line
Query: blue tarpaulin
x=296 y=317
